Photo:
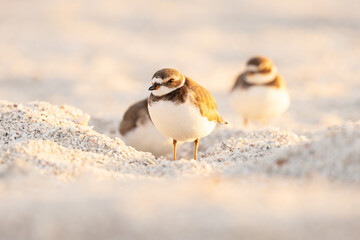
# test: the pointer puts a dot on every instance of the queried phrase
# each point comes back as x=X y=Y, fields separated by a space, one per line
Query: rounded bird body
x=182 y=122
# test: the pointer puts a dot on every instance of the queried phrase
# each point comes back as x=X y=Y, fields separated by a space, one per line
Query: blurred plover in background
x=138 y=131
x=181 y=109
x=259 y=93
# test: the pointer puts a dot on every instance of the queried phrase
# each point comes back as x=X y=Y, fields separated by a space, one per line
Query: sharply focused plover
x=138 y=131
x=180 y=108
x=260 y=92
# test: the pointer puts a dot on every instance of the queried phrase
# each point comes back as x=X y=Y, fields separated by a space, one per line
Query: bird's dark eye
x=171 y=80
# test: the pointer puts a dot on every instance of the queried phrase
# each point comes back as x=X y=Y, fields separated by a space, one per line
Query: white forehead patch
x=157 y=80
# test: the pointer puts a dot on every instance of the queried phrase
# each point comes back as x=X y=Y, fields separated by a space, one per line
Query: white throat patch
x=163 y=90
x=262 y=78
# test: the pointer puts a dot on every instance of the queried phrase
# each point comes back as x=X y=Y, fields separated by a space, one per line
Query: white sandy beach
x=69 y=70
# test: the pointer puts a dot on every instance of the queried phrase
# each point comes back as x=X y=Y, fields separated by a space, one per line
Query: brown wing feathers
x=204 y=100
x=138 y=111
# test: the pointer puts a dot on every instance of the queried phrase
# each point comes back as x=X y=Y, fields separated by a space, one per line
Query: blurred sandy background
x=100 y=56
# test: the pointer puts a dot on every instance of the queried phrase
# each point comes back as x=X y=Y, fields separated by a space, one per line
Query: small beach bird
x=138 y=131
x=259 y=93
x=181 y=109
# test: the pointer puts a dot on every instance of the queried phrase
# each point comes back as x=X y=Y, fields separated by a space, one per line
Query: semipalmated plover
x=138 y=131
x=180 y=108
x=260 y=92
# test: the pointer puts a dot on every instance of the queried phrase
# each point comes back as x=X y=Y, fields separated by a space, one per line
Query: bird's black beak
x=155 y=86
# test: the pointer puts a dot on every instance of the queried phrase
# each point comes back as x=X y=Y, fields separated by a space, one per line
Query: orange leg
x=246 y=122
x=196 y=147
x=174 y=142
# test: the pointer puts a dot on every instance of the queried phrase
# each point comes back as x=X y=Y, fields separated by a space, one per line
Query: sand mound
x=58 y=141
